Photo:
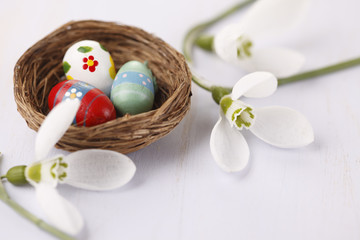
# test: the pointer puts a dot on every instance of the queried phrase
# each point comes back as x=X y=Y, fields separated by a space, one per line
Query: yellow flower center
x=90 y=63
x=73 y=95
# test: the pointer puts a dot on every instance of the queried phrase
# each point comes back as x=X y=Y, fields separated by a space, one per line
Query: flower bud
x=219 y=92
x=16 y=175
x=206 y=42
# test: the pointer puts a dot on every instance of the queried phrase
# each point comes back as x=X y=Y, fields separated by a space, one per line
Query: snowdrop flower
x=88 y=169
x=279 y=126
x=238 y=43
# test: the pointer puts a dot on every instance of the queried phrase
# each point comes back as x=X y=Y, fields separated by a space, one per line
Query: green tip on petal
x=16 y=175
x=247 y=45
x=243 y=118
x=244 y=47
x=237 y=113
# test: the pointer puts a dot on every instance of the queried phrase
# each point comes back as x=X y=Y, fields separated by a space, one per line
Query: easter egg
x=134 y=87
x=95 y=106
x=90 y=62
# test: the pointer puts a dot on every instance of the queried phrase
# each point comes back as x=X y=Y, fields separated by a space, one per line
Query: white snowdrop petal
x=255 y=85
x=273 y=17
x=228 y=147
x=54 y=126
x=98 y=169
x=60 y=212
x=281 y=62
x=282 y=127
x=225 y=42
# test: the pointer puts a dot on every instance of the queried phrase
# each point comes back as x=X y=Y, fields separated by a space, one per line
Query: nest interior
x=40 y=68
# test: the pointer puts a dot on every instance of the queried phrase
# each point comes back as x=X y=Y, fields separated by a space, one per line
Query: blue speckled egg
x=134 y=87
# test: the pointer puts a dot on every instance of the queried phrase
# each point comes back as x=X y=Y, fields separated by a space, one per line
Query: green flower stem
x=194 y=32
x=26 y=214
x=192 y=35
x=201 y=82
x=320 y=71
x=218 y=92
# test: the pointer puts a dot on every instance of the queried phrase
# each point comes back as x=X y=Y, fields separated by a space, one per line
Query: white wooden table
x=178 y=191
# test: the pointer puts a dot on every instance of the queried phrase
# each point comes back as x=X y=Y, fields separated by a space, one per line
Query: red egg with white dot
x=95 y=107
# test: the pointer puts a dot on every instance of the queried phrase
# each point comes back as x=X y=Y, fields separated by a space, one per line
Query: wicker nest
x=40 y=68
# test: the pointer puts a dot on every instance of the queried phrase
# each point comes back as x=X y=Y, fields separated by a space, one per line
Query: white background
x=178 y=191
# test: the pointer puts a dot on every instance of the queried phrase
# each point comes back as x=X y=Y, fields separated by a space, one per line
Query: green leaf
x=103 y=48
x=85 y=49
x=66 y=66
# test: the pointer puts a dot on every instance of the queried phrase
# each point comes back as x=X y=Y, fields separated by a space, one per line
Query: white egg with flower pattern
x=90 y=62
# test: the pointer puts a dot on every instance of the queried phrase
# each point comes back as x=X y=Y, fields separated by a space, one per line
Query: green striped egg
x=134 y=87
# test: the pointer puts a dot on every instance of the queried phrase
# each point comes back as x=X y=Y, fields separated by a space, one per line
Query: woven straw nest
x=40 y=68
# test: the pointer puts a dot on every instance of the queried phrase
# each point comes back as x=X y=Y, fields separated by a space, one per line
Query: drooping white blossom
x=279 y=126
x=91 y=169
x=239 y=43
